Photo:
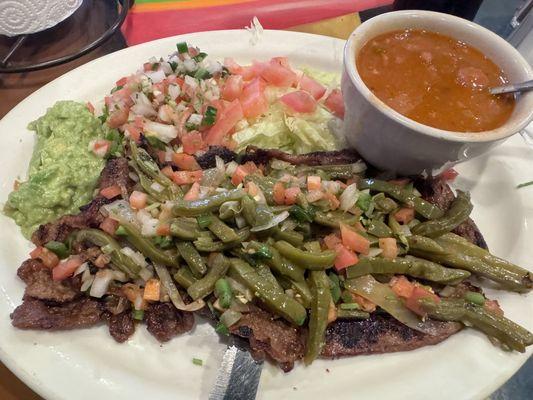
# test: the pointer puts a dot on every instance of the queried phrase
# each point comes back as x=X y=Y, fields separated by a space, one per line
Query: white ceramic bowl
x=391 y=141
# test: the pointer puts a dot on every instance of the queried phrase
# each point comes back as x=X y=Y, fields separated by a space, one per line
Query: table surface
x=65 y=38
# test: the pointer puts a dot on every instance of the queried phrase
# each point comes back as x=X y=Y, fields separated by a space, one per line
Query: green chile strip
x=318 y=318
x=493 y=325
x=409 y=265
x=279 y=303
x=423 y=207
x=148 y=248
x=193 y=259
x=201 y=288
x=458 y=212
x=221 y=230
x=184 y=277
x=278 y=263
x=305 y=259
x=194 y=208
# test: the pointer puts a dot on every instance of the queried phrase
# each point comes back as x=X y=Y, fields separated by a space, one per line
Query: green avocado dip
x=63 y=172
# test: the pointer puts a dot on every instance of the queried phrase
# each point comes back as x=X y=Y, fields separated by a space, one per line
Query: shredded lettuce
x=329 y=79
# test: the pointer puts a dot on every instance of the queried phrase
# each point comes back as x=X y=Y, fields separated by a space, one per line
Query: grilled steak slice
x=121 y=326
x=116 y=172
x=438 y=192
x=379 y=334
x=207 y=160
x=272 y=337
x=37 y=314
x=164 y=321
x=263 y=156
x=40 y=285
x=89 y=217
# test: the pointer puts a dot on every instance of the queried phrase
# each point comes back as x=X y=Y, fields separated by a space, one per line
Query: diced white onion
x=101 y=282
x=190 y=65
x=137 y=257
x=121 y=211
x=156 y=76
x=165 y=66
x=373 y=252
x=87 y=283
x=120 y=276
x=195 y=119
x=314 y=195
x=174 y=91
x=288 y=225
x=331 y=186
x=146 y=274
x=163 y=132
x=213 y=67
x=157 y=187
x=282 y=216
x=82 y=268
x=349 y=197
x=231 y=167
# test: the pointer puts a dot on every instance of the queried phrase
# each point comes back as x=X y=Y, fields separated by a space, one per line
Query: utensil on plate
x=238 y=375
x=513 y=88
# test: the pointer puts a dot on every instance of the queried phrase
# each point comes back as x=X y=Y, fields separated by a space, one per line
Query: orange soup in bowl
x=435 y=80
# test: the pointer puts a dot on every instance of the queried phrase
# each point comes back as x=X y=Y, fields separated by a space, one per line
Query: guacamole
x=63 y=172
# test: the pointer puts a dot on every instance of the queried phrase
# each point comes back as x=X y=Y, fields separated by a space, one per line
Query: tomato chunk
x=345 y=258
x=312 y=87
x=253 y=100
x=299 y=101
x=335 y=103
x=389 y=247
x=109 y=225
x=138 y=199
x=185 y=161
x=193 y=193
x=277 y=73
x=405 y=215
x=291 y=194
x=278 y=193
x=353 y=240
x=111 y=191
x=232 y=88
x=187 y=177
x=192 y=142
x=66 y=268
x=47 y=257
x=232 y=114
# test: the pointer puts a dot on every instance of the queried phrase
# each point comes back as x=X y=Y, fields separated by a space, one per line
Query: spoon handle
x=517 y=87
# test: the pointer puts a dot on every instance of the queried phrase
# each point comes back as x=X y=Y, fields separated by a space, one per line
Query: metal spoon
x=516 y=87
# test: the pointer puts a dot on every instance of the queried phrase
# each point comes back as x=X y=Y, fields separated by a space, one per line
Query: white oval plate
x=88 y=364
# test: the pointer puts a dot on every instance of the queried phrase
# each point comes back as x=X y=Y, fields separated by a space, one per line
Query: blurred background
x=33 y=54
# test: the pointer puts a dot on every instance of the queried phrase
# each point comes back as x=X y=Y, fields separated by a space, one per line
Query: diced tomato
x=138 y=122
x=168 y=171
x=493 y=306
x=334 y=202
x=232 y=88
x=47 y=257
x=122 y=96
x=101 y=147
x=232 y=66
x=111 y=191
x=345 y=258
x=277 y=73
x=291 y=194
x=187 y=177
x=419 y=293
x=163 y=230
x=152 y=290
x=193 y=193
x=449 y=174
x=278 y=192
x=253 y=100
x=389 y=247
x=404 y=215
x=331 y=241
x=118 y=117
x=314 y=182
x=192 y=142
x=232 y=114
x=90 y=107
x=335 y=103
x=299 y=101
x=312 y=87
x=134 y=293
x=185 y=161
x=109 y=225
x=401 y=286
x=122 y=81
x=365 y=304
x=138 y=199
x=239 y=175
x=353 y=240
x=133 y=131
x=161 y=156
x=66 y=268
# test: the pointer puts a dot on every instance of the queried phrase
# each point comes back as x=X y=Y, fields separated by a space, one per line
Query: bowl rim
x=509 y=128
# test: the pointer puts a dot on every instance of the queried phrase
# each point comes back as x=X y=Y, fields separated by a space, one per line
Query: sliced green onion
x=155 y=66
x=223 y=293
x=222 y=329
x=263 y=252
x=165 y=242
x=182 y=47
x=202 y=73
x=105 y=114
x=121 y=231
x=475 y=298
x=364 y=200
x=204 y=220
x=200 y=57
x=209 y=116
x=173 y=65
x=334 y=286
x=59 y=248
x=138 y=315
x=116 y=88
x=524 y=184
x=301 y=214
x=197 y=361
x=350 y=306
x=190 y=127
